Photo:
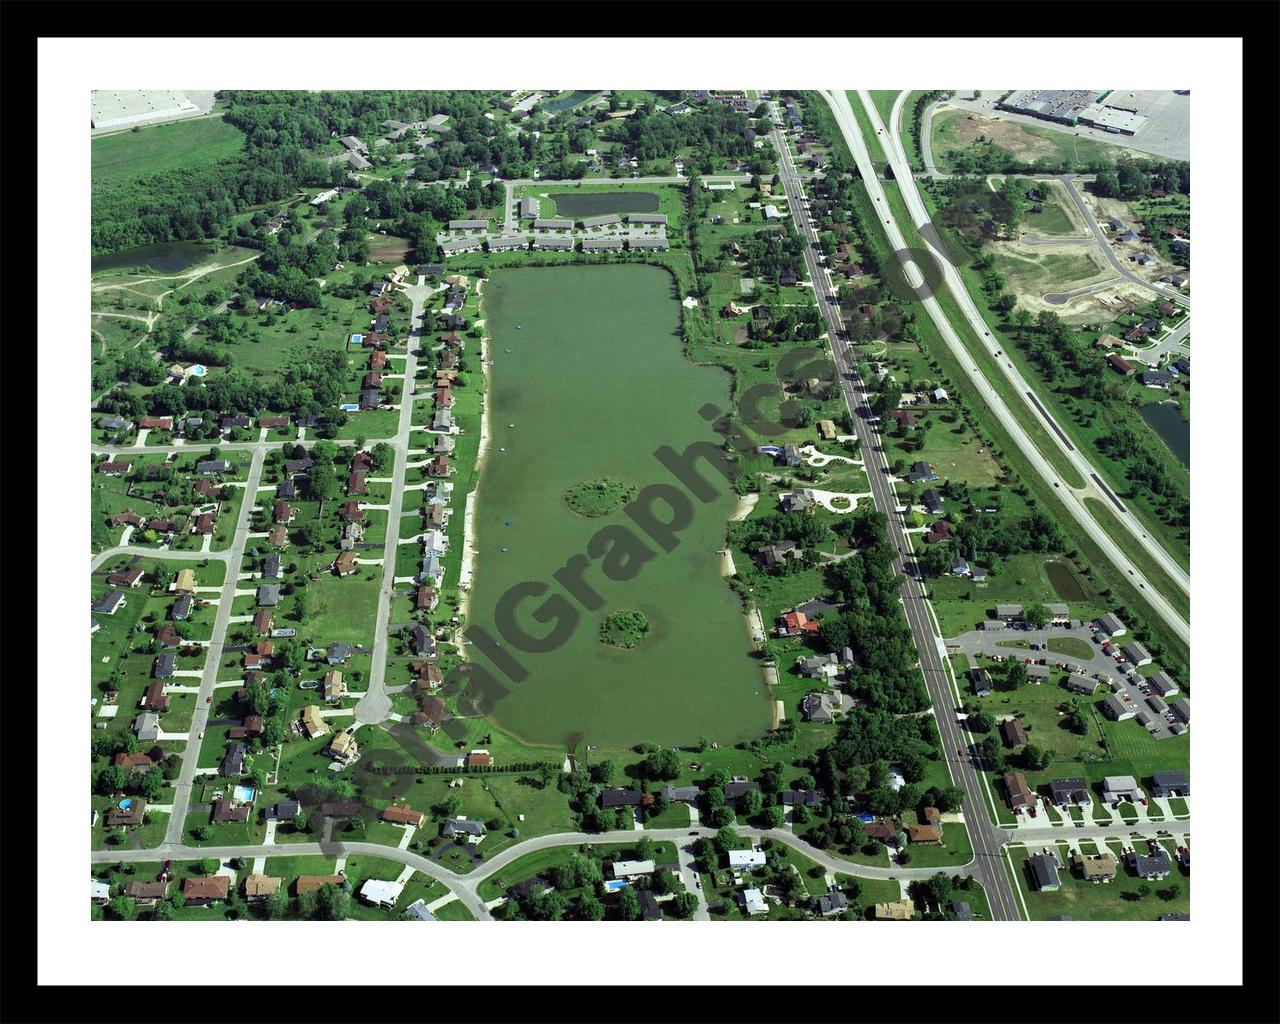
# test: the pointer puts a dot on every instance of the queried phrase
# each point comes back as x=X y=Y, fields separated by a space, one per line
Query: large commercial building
x=1062 y=105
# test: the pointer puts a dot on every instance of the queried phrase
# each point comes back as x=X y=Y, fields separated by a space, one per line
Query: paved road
x=200 y=446
x=1118 y=829
x=981 y=641
x=128 y=549
x=1174 y=295
x=213 y=655
x=988 y=866
x=1073 y=499
x=375 y=705
x=465 y=886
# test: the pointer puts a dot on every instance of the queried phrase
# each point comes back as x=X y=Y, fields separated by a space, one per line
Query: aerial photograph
x=638 y=505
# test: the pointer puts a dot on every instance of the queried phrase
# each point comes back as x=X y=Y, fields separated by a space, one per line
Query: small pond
x=1166 y=420
x=161 y=257
x=596 y=204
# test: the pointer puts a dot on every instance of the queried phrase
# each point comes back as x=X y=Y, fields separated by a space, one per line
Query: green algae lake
x=588 y=385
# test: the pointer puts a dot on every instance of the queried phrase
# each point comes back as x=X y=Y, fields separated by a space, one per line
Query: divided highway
x=1072 y=499
x=988 y=864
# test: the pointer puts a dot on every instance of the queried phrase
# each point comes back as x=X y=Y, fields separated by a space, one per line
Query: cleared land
x=167 y=147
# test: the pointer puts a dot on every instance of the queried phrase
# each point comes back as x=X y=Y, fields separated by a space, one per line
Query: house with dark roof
x=1069 y=792
x=1173 y=783
x=1043 y=868
x=1013 y=732
x=621 y=798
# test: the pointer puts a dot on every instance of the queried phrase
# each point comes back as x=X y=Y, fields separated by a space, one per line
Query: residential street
x=213 y=655
x=375 y=705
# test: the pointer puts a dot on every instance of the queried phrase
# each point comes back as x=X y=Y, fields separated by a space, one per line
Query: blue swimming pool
x=125 y=804
x=613 y=885
x=244 y=794
x=349 y=407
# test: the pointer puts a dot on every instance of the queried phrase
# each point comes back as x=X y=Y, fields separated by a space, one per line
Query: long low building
x=505 y=243
x=646 y=218
x=602 y=221
x=468 y=225
x=555 y=244
x=649 y=244
x=453 y=246
x=602 y=244
x=553 y=224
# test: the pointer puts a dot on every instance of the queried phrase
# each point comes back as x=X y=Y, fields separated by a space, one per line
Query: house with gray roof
x=1066 y=792
x=646 y=218
x=147 y=727
x=648 y=245
x=1008 y=612
x=554 y=243
x=268 y=595
x=109 y=603
x=682 y=794
x=1162 y=683
x=1116 y=709
x=1155 y=864
x=602 y=221
x=1121 y=787
x=1044 y=872
x=1175 y=783
x=832 y=902
x=1111 y=625
x=213 y=466
x=601 y=244
x=468 y=225
x=1136 y=653
x=528 y=207
x=553 y=224
x=1182 y=709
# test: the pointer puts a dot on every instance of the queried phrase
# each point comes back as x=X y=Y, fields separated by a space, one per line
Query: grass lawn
x=127 y=156
x=344 y=609
x=1117 y=900
x=454 y=911
x=675 y=816
x=1072 y=646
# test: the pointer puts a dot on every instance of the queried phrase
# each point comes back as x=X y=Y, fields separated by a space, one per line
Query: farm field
x=581 y=327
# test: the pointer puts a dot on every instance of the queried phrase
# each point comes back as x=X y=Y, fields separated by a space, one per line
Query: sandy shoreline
x=466 y=573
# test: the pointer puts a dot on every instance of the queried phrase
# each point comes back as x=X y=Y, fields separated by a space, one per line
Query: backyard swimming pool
x=244 y=794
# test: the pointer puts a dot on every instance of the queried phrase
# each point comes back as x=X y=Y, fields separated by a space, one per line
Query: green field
x=582 y=328
x=167 y=147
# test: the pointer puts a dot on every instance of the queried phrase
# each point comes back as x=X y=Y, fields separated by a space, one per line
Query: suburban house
x=200 y=892
x=311 y=883
x=621 y=798
x=333 y=685
x=125 y=578
x=259 y=887
x=343 y=747
x=463 y=829
x=895 y=910
x=1013 y=732
x=1044 y=872
x=981 y=681
x=1121 y=787
x=346 y=563
x=1155 y=864
x=268 y=595
x=263 y=621
x=1097 y=867
x=145 y=894
x=1068 y=792
x=1020 y=795
x=1136 y=653
x=311 y=722
x=817 y=707
x=127 y=817
x=403 y=815
x=109 y=603
x=1111 y=625
x=920 y=472
x=1174 y=783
